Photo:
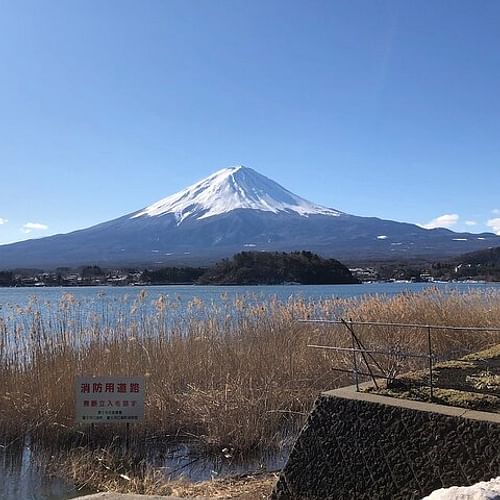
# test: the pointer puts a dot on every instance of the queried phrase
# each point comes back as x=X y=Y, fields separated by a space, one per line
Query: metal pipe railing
x=360 y=349
x=404 y=325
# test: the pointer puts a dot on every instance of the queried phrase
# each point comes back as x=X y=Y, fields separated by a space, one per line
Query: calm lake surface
x=20 y=475
x=22 y=296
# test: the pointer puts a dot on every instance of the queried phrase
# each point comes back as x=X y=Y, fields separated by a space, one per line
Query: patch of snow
x=382 y=237
x=481 y=238
x=230 y=189
x=459 y=239
x=485 y=490
x=396 y=244
x=249 y=245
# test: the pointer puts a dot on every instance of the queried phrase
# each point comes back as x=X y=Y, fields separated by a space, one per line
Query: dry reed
x=102 y=470
x=228 y=374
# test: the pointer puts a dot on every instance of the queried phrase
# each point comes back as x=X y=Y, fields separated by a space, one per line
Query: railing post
x=429 y=345
x=354 y=359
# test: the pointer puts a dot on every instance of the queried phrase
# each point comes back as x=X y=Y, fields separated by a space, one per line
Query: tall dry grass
x=232 y=374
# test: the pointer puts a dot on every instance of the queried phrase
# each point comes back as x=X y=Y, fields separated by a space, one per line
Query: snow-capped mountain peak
x=230 y=189
x=170 y=231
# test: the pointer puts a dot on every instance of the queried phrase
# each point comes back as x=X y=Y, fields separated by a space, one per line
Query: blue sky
x=383 y=108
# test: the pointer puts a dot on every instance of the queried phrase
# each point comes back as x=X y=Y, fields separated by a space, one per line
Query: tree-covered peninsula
x=272 y=268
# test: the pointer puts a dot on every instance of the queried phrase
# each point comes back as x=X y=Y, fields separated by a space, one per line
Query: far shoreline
x=247 y=285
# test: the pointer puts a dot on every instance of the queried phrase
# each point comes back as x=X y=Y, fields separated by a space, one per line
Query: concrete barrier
x=365 y=446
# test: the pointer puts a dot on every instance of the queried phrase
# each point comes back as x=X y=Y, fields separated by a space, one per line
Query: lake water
x=20 y=475
x=22 y=296
x=21 y=478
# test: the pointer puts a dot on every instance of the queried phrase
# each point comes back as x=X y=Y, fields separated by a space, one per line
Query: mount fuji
x=232 y=210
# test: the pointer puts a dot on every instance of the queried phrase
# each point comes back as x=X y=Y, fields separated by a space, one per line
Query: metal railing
x=373 y=367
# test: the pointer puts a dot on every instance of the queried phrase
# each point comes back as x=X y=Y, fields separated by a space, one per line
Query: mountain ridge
x=233 y=210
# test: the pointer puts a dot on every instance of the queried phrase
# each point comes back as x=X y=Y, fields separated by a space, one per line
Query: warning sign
x=109 y=399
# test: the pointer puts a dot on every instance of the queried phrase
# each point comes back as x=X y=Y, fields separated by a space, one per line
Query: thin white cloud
x=470 y=223
x=33 y=226
x=445 y=220
x=494 y=224
x=496 y=211
x=3 y=221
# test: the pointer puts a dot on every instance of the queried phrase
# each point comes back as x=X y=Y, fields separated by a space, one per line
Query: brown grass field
x=234 y=374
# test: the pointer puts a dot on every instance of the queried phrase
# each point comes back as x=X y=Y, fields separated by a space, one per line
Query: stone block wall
x=364 y=446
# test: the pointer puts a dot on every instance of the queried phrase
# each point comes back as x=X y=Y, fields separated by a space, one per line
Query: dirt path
x=246 y=487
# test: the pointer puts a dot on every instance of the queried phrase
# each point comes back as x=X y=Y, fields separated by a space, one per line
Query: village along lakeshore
x=268 y=268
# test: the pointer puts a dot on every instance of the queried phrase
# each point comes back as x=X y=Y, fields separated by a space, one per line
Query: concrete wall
x=359 y=445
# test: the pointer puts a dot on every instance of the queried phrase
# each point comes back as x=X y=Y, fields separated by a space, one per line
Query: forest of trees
x=7 y=278
x=484 y=264
x=170 y=275
x=270 y=268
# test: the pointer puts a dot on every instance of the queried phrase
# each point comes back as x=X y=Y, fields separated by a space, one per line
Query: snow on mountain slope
x=230 y=211
x=230 y=189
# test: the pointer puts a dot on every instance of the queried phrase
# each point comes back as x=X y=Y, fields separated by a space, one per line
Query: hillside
x=488 y=258
x=484 y=265
x=233 y=210
x=480 y=265
x=271 y=268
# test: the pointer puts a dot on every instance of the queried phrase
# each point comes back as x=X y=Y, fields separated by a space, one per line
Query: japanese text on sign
x=109 y=399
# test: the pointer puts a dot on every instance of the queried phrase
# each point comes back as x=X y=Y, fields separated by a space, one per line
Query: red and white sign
x=109 y=399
